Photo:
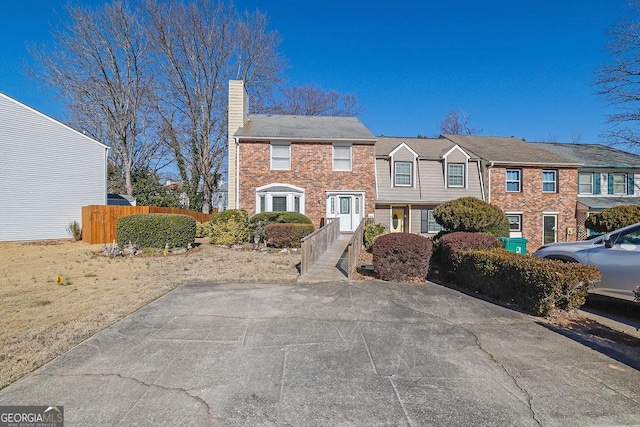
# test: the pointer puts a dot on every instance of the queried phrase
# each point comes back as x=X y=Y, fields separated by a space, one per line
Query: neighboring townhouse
x=322 y=167
x=414 y=175
x=49 y=172
x=536 y=188
x=608 y=178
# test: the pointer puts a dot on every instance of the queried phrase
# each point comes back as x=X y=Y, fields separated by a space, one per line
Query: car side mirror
x=608 y=243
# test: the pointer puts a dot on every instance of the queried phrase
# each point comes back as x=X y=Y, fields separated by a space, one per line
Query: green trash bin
x=515 y=244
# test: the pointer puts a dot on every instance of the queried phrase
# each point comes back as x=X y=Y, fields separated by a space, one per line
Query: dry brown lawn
x=42 y=318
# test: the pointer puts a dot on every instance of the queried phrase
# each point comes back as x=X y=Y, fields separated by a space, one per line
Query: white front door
x=348 y=208
x=345 y=212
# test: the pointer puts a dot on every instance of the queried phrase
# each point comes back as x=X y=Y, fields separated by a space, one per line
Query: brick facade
x=532 y=202
x=311 y=169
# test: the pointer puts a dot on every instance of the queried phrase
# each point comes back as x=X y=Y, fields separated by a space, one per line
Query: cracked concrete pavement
x=359 y=353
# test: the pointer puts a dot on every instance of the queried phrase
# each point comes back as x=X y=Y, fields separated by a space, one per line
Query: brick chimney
x=238 y=112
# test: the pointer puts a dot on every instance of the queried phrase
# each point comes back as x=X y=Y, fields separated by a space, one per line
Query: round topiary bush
x=613 y=218
x=402 y=257
x=156 y=230
x=474 y=215
x=229 y=227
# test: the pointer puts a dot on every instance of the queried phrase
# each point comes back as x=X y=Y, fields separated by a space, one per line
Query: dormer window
x=403 y=174
x=455 y=175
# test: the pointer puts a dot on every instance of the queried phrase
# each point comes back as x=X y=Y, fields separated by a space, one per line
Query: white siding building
x=48 y=171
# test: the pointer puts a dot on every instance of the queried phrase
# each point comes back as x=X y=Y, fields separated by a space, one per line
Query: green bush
x=229 y=227
x=613 y=218
x=203 y=229
x=371 y=233
x=156 y=230
x=286 y=235
x=402 y=257
x=474 y=215
x=258 y=222
x=449 y=246
x=538 y=286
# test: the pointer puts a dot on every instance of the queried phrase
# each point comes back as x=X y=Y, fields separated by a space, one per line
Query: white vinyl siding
x=280 y=156
x=48 y=173
x=341 y=157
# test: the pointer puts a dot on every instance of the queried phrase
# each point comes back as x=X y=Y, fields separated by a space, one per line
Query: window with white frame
x=403 y=174
x=341 y=157
x=514 y=180
x=585 y=183
x=280 y=156
x=279 y=198
x=619 y=183
x=455 y=175
x=428 y=224
x=549 y=181
x=515 y=222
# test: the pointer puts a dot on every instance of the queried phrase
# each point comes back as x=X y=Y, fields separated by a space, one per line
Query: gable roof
x=510 y=151
x=427 y=148
x=304 y=128
x=593 y=155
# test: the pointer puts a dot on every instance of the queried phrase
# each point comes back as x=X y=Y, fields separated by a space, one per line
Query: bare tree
x=458 y=123
x=99 y=63
x=619 y=81
x=199 y=46
x=311 y=100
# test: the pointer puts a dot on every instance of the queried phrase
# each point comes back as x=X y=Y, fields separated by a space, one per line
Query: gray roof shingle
x=305 y=128
x=593 y=155
x=502 y=150
x=431 y=148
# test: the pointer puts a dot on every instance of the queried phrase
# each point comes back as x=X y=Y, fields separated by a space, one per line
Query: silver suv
x=616 y=254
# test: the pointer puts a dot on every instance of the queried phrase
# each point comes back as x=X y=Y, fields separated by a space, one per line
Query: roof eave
x=281 y=138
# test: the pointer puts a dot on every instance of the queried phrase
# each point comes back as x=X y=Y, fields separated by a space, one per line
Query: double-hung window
x=428 y=224
x=549 y=181
x=280 y=156
x=455 y=175
x=403 y=174
x=585 y=183
x=341 y=157
x=514 y=180
x=619 y=183
x=515 y=222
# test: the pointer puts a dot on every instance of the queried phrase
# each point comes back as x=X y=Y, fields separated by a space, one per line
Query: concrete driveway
x=361 y=353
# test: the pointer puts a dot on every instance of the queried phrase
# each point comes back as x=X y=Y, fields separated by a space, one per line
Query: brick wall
x=311 y=169
x=532 y=202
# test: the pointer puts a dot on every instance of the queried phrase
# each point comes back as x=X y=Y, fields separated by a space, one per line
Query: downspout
x=237 y=177
x=489 y=179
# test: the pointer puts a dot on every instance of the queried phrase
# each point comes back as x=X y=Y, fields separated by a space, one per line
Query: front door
x=345 y=216
x=397 y=220
x=549 y=228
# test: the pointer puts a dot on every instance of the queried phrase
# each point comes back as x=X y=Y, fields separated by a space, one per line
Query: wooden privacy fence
x=99 y=221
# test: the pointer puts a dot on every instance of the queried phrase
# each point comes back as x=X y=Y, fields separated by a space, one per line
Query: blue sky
x=518 y=68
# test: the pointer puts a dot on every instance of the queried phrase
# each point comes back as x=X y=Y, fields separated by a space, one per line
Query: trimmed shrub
x=402 y=257
x=156 y=230
x=229 y=227
x=448 y=248
x=203 y=229
x=258 y=222
x=613 y=218
x=538 y=286
x=371 y=233
x=471 y=214
x=286 y=235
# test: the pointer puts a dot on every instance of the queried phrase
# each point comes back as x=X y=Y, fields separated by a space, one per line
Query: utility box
x=515 y=244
